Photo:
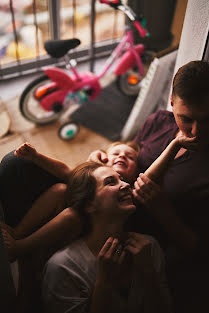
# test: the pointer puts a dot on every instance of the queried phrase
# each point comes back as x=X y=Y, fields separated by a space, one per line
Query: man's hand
x=190 y=143
x=145 y=189
x=98 y=156
x=26 y=151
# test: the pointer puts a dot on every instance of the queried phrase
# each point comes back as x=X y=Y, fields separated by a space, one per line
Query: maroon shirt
x=186 y=181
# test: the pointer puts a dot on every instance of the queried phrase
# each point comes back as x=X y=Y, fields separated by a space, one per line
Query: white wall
x=194 y=33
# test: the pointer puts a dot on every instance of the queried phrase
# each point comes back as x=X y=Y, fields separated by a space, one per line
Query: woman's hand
x=110 y=260
x=145 y=189
x=136 y=243
x=11 y=245
x=26 y=151
x=98 y=156
x=139 y=247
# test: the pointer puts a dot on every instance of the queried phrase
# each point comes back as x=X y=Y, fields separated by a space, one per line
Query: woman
x=122 y=157
x=106 y=270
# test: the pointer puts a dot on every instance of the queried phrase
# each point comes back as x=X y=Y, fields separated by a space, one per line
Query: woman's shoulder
x=72 y=255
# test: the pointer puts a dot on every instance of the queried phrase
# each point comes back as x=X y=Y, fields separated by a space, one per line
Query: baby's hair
x=131 y=144
x=190 y=83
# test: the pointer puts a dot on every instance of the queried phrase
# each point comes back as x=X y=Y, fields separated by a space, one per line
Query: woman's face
x=113 y=195
x=123 y=159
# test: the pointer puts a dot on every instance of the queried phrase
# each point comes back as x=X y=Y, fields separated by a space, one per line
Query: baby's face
x=123 y=159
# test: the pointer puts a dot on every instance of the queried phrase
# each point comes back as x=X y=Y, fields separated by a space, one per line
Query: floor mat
x=107 y=114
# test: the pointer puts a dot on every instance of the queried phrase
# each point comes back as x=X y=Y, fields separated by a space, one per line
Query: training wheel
x=68 y=130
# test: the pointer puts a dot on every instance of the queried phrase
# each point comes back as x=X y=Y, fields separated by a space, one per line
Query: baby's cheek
x=109 y=163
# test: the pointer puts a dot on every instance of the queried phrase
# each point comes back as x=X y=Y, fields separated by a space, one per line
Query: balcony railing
x=25 y=25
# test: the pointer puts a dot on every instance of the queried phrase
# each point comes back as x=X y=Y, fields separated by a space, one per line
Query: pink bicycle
x=59 y=92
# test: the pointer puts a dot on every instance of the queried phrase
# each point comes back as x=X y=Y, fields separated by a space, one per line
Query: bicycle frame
x=129 y=57
x=62 y=83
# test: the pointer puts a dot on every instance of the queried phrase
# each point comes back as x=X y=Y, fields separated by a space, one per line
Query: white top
x=70 y=275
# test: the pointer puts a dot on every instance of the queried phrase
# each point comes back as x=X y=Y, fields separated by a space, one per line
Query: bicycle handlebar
x=112 y=3
x=142 y=31
x=117 y=5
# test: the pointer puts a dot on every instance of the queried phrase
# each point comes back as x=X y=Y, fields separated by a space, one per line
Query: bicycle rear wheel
x=130 y=82
x=31 y=108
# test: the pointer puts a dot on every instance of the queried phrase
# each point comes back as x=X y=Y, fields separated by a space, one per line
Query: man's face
x=193 y=122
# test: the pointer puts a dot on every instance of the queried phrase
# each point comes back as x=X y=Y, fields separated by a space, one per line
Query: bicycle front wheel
x=30 y=106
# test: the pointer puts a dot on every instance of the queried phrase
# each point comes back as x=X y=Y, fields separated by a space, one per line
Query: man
x=186 y=185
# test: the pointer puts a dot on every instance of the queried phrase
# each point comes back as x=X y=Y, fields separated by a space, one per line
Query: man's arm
x=53 y=166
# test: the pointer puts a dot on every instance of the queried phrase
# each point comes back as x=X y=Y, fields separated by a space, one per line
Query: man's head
x=190 y=100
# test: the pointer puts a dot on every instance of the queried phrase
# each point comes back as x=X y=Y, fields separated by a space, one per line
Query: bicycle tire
x=26 y=100
x=125 y=87
x=68 y=131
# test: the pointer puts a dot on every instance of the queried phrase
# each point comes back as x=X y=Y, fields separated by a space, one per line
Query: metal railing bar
x=36 y=27
x=92 y=40
x=73 y=18
x=14 y=32
x=101 y=49
x=54 y=13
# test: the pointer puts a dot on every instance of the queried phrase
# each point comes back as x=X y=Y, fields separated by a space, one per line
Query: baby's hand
x=190 y=143
x=26 y=151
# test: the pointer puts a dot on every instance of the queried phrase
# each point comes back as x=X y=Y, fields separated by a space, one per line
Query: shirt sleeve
x=64 y=290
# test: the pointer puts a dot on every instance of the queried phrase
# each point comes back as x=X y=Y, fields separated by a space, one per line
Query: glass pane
x=109 y=23
x=76 y=21
x=30 y=39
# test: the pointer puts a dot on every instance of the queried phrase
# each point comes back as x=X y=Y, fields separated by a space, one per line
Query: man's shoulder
x=162 y=121
x=162 y=116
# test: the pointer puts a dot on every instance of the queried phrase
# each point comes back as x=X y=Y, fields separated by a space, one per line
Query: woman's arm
x=53 y=166
x=108 y=280
x=150 y=269
x=148 y=192
x=63 y=228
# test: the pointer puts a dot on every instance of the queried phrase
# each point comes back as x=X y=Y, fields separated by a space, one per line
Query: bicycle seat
x=58 y=48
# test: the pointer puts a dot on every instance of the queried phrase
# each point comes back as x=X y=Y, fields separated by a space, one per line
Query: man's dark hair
x=191 y=83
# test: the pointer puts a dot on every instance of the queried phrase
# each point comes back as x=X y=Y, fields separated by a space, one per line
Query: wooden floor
x=46 y=140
